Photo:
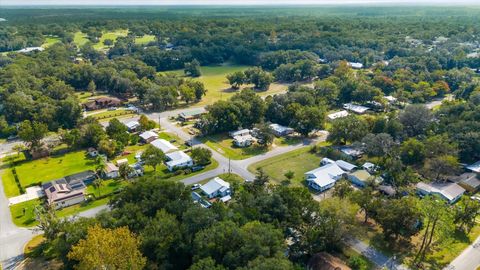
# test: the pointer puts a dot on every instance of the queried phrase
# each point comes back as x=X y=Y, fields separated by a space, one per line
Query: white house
x=336 y=115
x=370 y=167
x=178 y=160
x=359 y=109
x=164 y=145
x=324 y=177
x=111 y=171
x=132 y=126
x=355 y=65
x=241 y=132
x=243 y=141
x=280 y=130
x=351 y=151
x=148 y=136
x=449 y=191
x=31 y=49
x=216 y=187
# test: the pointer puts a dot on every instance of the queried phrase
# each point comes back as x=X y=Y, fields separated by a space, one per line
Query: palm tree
x=97 y=184
x=100 y=164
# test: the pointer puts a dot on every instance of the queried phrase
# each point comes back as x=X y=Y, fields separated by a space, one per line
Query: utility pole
x=229 y=168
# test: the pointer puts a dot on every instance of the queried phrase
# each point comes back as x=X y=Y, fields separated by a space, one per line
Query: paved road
x=469 y=259
x=374 y=255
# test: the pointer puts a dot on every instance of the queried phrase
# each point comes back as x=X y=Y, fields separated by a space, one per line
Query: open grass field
x=298 y=161
x=49 y=41
x=144 y=39
x=80 y=39
x=216 y=83
x=45 y=169
x=112 y=35
x=107 y=187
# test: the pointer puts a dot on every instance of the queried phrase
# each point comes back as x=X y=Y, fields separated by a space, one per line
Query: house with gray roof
x=216 y=187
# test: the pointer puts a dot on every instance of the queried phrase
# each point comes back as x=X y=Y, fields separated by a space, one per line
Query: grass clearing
x=216 y=83
x=222 y=143
x=111 y=35
x=80 y=38
x=298 y=161
x=145 y=39
x=49 y=41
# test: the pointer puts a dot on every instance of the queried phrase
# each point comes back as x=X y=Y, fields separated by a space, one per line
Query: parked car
x=112 y=109
x=197 y=168
x=196 y=186
x=189 y=143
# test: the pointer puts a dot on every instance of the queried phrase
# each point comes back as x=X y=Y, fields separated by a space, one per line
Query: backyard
x=81 y=39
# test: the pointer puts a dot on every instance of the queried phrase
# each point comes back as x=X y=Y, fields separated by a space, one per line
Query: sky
x=233 y=2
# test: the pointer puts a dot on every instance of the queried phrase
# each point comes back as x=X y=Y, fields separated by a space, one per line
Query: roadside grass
x=298 y=161
x=216 y=83
x=163 y=173
x=223 y=144
x=32 y=245
x=45 y=169
x=112 y=35
x=80 y=38
x=49 y=41
x=145 y=39
x=228 y=177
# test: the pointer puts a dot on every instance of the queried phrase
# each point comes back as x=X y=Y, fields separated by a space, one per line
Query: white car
x=196 y=186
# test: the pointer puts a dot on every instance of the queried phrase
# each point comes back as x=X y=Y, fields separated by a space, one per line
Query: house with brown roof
x=60 y=194
x=102 y=103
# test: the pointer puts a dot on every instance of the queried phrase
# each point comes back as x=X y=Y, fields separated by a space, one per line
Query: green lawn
x=80 y=39
x=108 y=187
x=298 y=161
x=111 y=114
x=216 y=83
x=28 y=219
x=163 y=173
x=222 y=143
x=144 y=39
x=112 y=35
x=49 y=41
x=45 y=169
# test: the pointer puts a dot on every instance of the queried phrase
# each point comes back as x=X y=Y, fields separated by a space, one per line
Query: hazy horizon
x=229 y=3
